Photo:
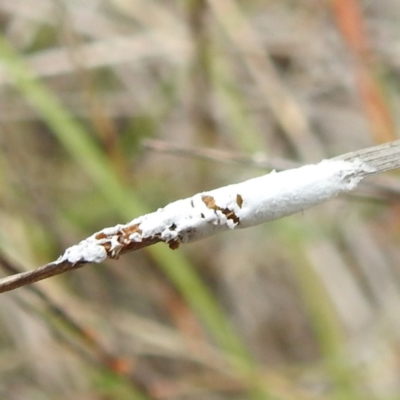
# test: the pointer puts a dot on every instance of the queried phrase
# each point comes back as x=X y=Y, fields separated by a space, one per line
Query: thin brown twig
x=222 y=156
x=102 y=357
x=11 y=267
x=380 y=158
x=45 y=271
x=381 y=188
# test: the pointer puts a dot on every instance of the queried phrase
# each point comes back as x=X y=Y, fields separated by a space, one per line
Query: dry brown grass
x=313 y=298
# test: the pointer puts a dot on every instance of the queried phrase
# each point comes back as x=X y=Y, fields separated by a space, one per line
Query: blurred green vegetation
x=292 y=310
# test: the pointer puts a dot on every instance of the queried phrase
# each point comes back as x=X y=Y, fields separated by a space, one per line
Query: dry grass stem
x=131 y=237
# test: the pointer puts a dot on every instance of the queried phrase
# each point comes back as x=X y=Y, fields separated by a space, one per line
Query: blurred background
x=112 y=108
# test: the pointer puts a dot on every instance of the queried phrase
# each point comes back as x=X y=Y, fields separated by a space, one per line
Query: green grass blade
x=95 y=164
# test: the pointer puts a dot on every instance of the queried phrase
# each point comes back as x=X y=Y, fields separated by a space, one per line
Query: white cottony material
x=241 y=205
x=89 y=250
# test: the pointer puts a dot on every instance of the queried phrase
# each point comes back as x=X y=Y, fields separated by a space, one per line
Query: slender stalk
x=230 y=207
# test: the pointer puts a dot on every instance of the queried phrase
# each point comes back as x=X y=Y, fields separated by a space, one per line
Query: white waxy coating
x=241 y=205
x=89 y=250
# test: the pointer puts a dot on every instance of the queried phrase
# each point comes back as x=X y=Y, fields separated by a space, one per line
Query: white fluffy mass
x=241 y=205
